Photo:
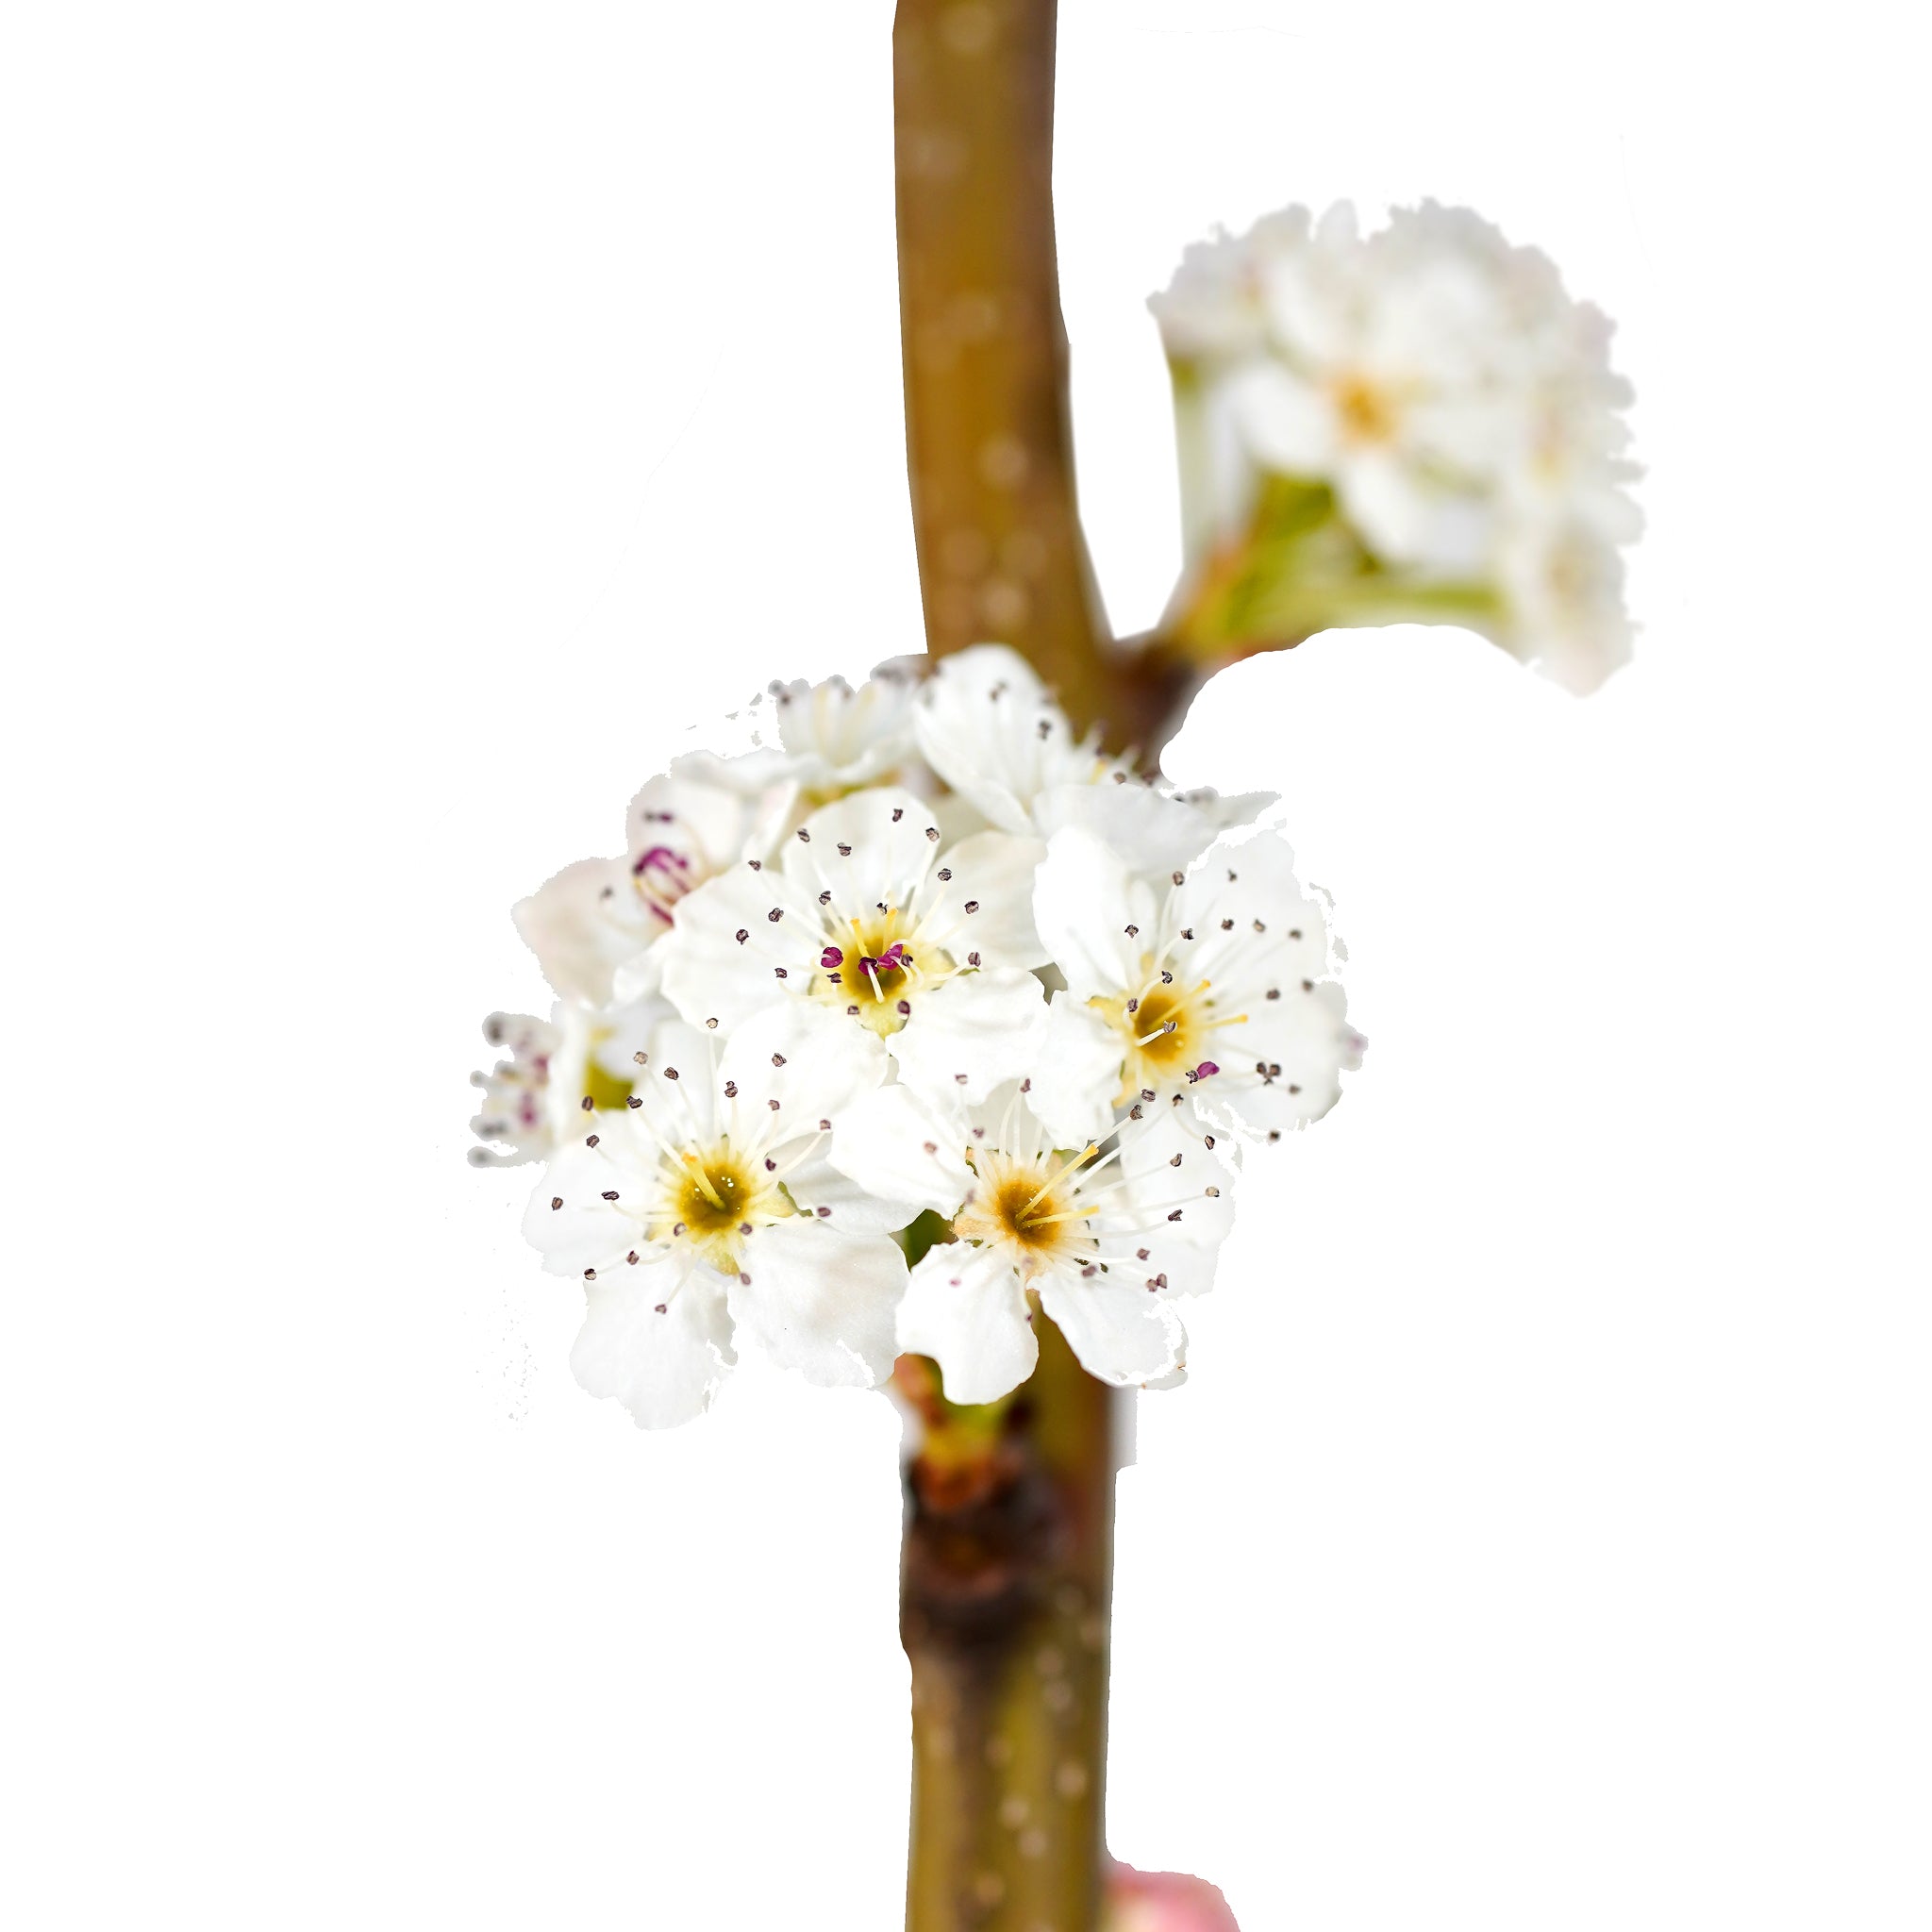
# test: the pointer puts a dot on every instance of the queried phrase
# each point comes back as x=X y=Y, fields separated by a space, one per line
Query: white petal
x=988 y=728
x=623 y=1028
x=965 y=1307
x=1218 y=475
x=675 y=1088
x=656 y=1339
x=711 y=974
x=970 y=1034
x=1400 y=515
x=1307 y=1035
x=874 y=848
x=1121 y=1334
x=1155 y=834
x=820 y=1302
x=570 y=1221
x=809 y=1059
x=1076 y=1077
x=1261 y=934
x=640 y=977
x=1230 y=811
x=991 y=872
x=1157 y=1261
x=1180 y=1268
x=1251 y=879
x=747 y=776
x=1170 y=1172
x=1085 y=900
x=606 y=1039
x=1308 y=291
x=1287 y=425
x=705 y=824
x=901 y=1147
x=958 y=819
x=582 y=924
x=981 y=672
x=838 y=736
x=841 y=1202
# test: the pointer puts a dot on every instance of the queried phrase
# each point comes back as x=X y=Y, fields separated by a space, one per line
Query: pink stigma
x=658 y=856
x=663 y=879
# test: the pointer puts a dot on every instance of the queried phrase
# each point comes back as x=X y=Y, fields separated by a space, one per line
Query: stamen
x=1085 y=1214
x=1079 y=1159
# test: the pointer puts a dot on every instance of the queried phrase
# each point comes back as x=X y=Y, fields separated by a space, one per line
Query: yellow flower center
x=1166 y=1029
x=1367 y=411
x=606 y=1090
x=712 y=1199
x=1027 y=1208
x=874 y=966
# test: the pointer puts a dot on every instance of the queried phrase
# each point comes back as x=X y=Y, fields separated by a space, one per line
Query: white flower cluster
x=1416 y=423
x=926 y=958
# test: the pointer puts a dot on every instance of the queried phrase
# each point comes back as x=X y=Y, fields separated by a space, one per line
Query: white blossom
x=597 y=915
x=516 y=1122
x=810 y=1004
x=1106 y=1237
x=1207 y=994
x=579 y=1060
x=706 y=1209
x=1375 y=381
x=1441 y=384
x=812 y=743
x=928 y=955
x=993 y=731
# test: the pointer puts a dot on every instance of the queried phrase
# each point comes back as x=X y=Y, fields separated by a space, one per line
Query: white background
x=412 y=417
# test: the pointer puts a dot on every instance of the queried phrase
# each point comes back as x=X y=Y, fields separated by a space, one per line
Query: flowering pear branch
x=921 y=1042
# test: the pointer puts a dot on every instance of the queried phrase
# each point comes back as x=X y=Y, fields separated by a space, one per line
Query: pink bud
x=1163 y=1902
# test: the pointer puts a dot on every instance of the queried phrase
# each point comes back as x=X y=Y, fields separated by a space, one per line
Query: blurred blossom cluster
x=915 y=1015
x=1417 y=424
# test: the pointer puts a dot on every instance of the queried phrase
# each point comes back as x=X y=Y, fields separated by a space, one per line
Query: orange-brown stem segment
x=1005 y=1616
x=989 y=436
